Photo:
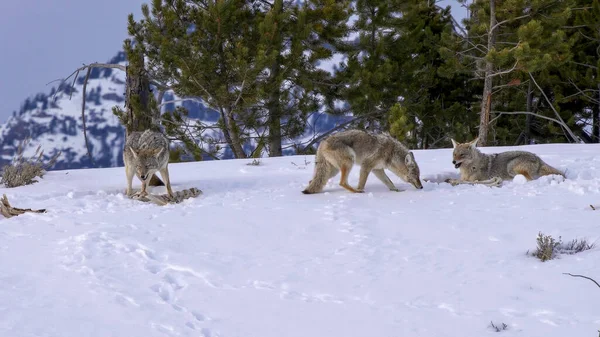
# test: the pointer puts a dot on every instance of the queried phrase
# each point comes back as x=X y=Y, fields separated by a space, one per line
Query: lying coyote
x=374 y=153
x=477 y=167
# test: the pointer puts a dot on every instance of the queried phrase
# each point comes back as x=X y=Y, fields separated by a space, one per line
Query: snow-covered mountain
x=54 y=121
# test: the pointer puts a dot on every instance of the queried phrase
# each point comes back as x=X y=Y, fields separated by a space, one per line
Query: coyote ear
x=159 y=152
x=409 y=159
x=454 y=143
x=473 y=144
x=133 y=152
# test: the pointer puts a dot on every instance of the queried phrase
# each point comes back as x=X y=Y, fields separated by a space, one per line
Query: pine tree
x=584 y=74
x=254 y=62
x=298 y=37
x=433 y=105
x=366 y=84
x=514 y=46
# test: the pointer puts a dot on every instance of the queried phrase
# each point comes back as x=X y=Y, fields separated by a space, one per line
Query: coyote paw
x=139 y=194
x=396 y=190
x=452 y=182
x=360 y=191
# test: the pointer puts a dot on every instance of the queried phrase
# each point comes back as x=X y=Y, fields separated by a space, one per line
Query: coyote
x=484 y=168
x=144 y=154
x=339 y=152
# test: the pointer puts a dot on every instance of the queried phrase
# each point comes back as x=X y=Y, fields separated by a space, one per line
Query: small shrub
x=549 y=248
x=254 y=162
x=546 y=247
x=302 y=167
x=498 y=328
x=24 y=171
x=576 y=246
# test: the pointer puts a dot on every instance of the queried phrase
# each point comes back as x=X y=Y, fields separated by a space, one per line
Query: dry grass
x=549 y=248
x=24 y=171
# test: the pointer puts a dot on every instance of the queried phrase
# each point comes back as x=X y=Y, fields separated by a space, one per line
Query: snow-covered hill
x=255 y=257
x=54 y=120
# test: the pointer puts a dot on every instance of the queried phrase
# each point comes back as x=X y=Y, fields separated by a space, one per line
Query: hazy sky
x=44 y=40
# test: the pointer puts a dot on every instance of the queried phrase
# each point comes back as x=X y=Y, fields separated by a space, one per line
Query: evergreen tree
x=366 y=82
x=252 y=61
x=433 y=105
x=515 y=47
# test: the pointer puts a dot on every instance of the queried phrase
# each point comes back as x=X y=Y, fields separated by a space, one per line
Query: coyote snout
x=374 y=153
x=144 y=154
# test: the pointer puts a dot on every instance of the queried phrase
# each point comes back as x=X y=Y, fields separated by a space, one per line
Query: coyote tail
x=321 y=174
x=548 y=170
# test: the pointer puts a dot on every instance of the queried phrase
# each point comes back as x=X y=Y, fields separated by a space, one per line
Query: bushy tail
x=321 y=175
x=548 y=170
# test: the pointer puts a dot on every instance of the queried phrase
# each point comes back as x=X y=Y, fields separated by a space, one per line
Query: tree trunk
x=529 y=118
x=486 y=99
x=274 y=115
x=141 y=115
x=596 y=120
x=138 y=90
x=231 y=134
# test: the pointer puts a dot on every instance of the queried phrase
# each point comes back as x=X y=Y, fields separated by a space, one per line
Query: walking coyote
x=374 y=153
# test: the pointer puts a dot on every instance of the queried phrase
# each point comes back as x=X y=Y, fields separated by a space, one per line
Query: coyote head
x=407 y=169
x=146 y=162
x=463 y=153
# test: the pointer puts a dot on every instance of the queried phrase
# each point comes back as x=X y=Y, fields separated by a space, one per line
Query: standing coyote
x=339 y=152
x=479 y=167
x=144 y=154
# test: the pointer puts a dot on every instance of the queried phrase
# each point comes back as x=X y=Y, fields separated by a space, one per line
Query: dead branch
x=87 y=145
x=164 y=199
x=8 y=211
x=75 y=74
x=585 y=277
x=500 y=113
x=342 y=125
x=562 y=122
x=509 y=20
x=180 y=100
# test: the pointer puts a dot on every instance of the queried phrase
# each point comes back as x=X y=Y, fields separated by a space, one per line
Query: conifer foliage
x=514 y=72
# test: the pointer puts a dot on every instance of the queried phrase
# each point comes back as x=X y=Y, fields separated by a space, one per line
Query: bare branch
x=505 y=71
x=584 y=64
x=73 y=85
x=500 y=113
x=342 y=125
x=562 y=122
x=585 y=277
x=180 y=100
x=509 y=20
x=87 y=146
x=86 y=66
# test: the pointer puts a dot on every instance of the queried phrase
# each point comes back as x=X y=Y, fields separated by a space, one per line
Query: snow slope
x=255 y=257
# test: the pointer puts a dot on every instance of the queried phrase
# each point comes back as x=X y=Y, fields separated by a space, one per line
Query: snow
x=255 y=257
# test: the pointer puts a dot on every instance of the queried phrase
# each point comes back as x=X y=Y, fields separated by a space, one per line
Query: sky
x=45 y=40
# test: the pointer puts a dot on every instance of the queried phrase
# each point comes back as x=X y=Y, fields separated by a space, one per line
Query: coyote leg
x=344 y=179
x=165 y=175
x=380 y=174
